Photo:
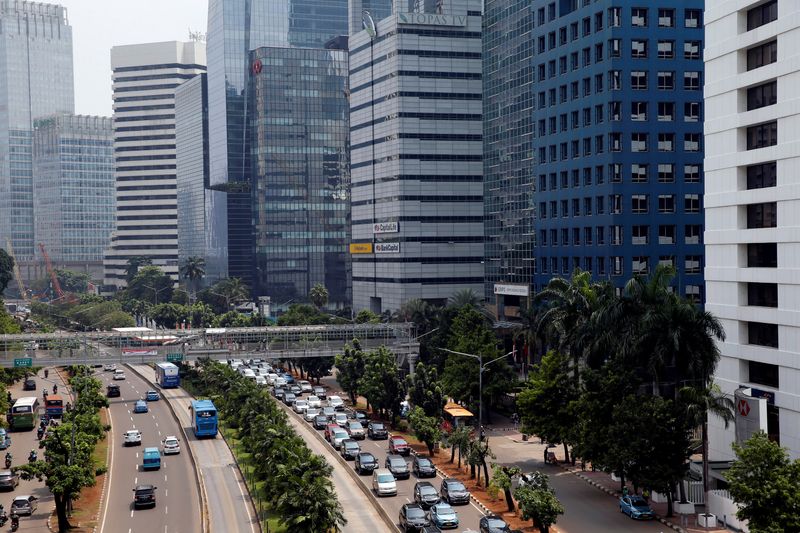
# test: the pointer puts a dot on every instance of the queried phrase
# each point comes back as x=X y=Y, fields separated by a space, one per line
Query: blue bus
x=167 y=375
x=204 y=418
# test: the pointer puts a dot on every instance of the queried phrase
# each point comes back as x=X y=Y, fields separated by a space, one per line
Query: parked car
x=24 y=505
x=151 y=396
x=8 y=480
x=453 y=491
x=171 y=445
x=289 y=398
x=320 y=421
x=399 y=446
x=300 y=406
x=425 y=494
x=493 y=524
x=305 y=386
x=144 y=496
x=140 y=406
x=349 y=449
x=310 y=414
x=329 y=429
x=635 y=507
x=315 y=402
x=397 y=466
x=355 y=429
x=443 y=516
x=377 y=431
x=365 y=463
x=336 y=402
x=339 y=435
x=383 y=482
x=112 y=391
x=320 y=392
x=132 y=437
x=423 y=467
x=412 y=517
x=29 y=384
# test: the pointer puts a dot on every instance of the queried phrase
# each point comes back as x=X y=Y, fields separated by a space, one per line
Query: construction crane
x=60 y=294
x=23 y=293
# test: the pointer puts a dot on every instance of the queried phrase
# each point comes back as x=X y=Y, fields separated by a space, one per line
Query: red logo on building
x=744 y=408
x=257 y=66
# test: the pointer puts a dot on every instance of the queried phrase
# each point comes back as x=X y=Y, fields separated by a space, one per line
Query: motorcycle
x=14 y=523
x=3 y=518
x=40 y=433
x=32 y=456
x=8 y=460
x=41 y=444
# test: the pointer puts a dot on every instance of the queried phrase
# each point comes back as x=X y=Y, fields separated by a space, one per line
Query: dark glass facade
x=300 y=161
x=235 y=27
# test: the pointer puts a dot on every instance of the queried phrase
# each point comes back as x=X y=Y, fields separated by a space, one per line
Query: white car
x=383 y=482
x=314 y=402
x=109 y=367
x=119 y=374
x=171 y=445
x=261 y=380
x=300 y=406
x=340 y=418
x=338 y=436
x=132 y=436
x=271 y=377
x=305 y=386
x=311 y=414
x=279 y=382
x=336 y=402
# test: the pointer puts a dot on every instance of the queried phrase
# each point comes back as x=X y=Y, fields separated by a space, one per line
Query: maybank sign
x=431 y=19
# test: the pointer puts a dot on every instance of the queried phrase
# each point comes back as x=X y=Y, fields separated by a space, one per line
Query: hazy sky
x=97 y=25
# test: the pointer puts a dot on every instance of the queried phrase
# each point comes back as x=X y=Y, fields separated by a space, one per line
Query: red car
x=329 y=429
x=399 y=446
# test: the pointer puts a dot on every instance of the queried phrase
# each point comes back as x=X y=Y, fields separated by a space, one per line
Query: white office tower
x=144 y=80
x=752 y=200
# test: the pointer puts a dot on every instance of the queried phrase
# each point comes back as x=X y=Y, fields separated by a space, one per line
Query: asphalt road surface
x=229 y=505
x=177 y=507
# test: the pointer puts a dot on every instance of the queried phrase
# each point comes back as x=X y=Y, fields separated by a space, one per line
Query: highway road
x=177 y=507
x=229 y=505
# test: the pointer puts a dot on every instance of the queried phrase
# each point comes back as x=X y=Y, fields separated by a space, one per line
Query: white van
x=383 y=482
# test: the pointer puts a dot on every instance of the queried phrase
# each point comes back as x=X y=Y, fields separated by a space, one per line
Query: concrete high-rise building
x=35 y=80
x=615 y=139
x=416 y=163
x=752 y=198
x=73 y=190
x=145 y=77
x=237 y=28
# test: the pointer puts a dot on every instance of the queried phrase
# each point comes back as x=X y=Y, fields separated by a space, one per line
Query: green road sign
x=172 y=357
x=23 y=361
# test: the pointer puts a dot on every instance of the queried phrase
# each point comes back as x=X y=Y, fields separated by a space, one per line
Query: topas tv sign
x=385 y=227
x=432 y=19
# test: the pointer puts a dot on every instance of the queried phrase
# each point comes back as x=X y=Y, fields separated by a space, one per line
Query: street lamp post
x=481 y=368
x=156 y=291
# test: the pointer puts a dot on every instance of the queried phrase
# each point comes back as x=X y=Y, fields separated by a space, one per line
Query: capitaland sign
x=431 y=19
x=385 y=227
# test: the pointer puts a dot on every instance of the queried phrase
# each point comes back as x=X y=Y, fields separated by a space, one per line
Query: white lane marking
x=166 y=492
x=159 y=433
x=156 y=423
x=137 y=455
x=129 y=530
x=110 y=471
x=136 y=481
x=165 y=478
x=241 y=492
x=131 y=513
x=166 y=509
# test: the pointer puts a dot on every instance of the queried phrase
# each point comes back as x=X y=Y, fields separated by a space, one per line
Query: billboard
x=385 y=227
x=387 y=248
x=512 y=290
x=361 y=248
x=751 y=414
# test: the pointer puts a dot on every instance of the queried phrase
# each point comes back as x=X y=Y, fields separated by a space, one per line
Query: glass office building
x=617 y=144
x=300 y=166
x=236 y=27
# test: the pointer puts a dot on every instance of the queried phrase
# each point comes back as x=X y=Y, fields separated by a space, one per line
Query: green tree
x=463 y=298
x=365 y=316
x=426 y=428
x=478 y=452
x=502 y=479
x=133 y=265
x=151 y=284
x=71 y=281
x=6 y=270
x=303 y=315
x=539 y=505
x=349 y=369
x=318 y=296
x=766 y=485
x=169 y=315
x=458 y=438
x=317 y=367
x=545 y=405
x=7 y=322
x=193 y=270
x=425 y=390
x=382 y=384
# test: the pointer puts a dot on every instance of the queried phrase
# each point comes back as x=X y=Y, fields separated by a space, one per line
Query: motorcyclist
x=8 y=459
x=55 y=388
x=44 y=393
x=46 y=373
x=32 y=456
x=14 y=520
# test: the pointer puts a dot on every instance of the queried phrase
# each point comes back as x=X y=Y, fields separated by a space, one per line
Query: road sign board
x=172 y=357
x=23 y=361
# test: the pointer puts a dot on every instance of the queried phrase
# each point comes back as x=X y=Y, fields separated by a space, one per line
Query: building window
x=554 y=239
x=763 y=373
x=639 y=235
x=638 y=111
x=576 y=236
x=600 y=204
x=762 y=135
x=666 y=49
x=666 y=18
x=615 y=111
x=691 y=111
x=617 y=268
x=587 y=264
x=639 y=204
x=615 y=204
x=639 y=48
x=692 y=234
x=691 y=142
x=667 y=260
x=666 y=234
x=639 y=173
x=666 y=142
x=639 y=265
x=614 y=17
x=666 y=203
x=599 y=55
x=693 y=293
x=601 y=235
x=762 y=175
x=762 y=334
x=762 y=255
x=598 y=21
x=587 y=206
x=691 y=203
x=763 y=14
x=762 y=294
x=691 y=81
x=615 y=171
x=762 y=95
x=565 y=236
x=639 y=17
x=691 y=264
x=639 y=80
x=616 y=235
x=762 y=215
x=691 y=50
x=615 y=142
x=666 y=80
x=615 y=80
x=691 y=173
x=761 y=55
x=639 y=142
x=666 y=173
x=692 y=18
x=666 y=111
x=587 y=26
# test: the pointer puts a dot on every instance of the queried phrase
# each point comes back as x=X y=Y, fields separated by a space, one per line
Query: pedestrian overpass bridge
x=143 y=345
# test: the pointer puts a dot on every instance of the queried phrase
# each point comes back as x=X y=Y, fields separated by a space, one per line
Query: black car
x=361 y=416
x=425 y=494
x=365 y=463
x=144 y=496
x=279 y=393
x=453 y=491
x=289 y=398
x=29 y=384
x=423 y=467
x=377 y=431
x=320 y=421
x=397 y=466
x=296 y=389
x=412 y=517
x=320 y=393
x=349 y=449
x=494 y=524
x=112 y=391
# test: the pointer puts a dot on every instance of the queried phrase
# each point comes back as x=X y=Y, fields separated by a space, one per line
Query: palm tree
x=418 y=311
x=233 y=290
x=529 y=330
x=465 y=297
x=318 y=295
x=193 y=269
x=133 y=266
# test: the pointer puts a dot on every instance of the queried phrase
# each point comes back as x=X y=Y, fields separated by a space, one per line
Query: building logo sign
x=387 y=248
x=506 y=289
x=368 y=23
x=751 y=414
x=431 y=19
x=361 y=248
x=385 y=227
x=258 y=66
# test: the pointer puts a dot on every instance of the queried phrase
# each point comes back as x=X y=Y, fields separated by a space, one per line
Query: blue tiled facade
x=617 y=151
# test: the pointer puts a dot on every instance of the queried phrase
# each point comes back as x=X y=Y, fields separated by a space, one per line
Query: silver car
x=24 y=505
